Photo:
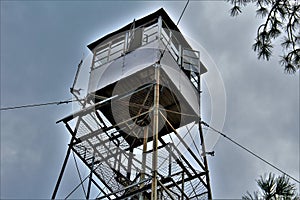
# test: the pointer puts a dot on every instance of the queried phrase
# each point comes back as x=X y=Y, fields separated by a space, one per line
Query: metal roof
x=161 y=12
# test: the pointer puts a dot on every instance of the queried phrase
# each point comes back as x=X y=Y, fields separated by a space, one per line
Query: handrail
x=115 y=48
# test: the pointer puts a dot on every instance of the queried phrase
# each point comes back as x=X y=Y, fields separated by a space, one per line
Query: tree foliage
x=273 y=188
x=282 y=18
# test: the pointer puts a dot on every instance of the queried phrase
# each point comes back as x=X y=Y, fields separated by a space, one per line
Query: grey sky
x=42 y=43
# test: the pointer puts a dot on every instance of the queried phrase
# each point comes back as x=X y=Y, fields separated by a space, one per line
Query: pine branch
x=282 y=18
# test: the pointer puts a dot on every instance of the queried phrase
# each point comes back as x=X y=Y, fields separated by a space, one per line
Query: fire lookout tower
x=139 y=129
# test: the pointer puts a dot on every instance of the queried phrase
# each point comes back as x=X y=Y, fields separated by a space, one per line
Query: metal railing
x=186 y=58
x=118 y=46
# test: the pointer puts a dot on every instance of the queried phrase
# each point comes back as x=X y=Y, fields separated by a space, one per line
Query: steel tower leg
x=141 y=197
x=62 y=169
x=155 y=134
x=90 y=179
x=209 y=194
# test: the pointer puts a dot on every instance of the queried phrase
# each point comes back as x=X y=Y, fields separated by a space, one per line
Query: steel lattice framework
x=139 y=129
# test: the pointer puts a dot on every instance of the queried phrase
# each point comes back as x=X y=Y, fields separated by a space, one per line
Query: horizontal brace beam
x=101 y=104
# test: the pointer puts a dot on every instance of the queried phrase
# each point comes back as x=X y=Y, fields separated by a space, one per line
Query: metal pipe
x=144 y=157
x=209 y=194
x=90 y=179
x=182 y=186
x=62 y=169
x=129 y=165
x=170 y=162
x=155 y=134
